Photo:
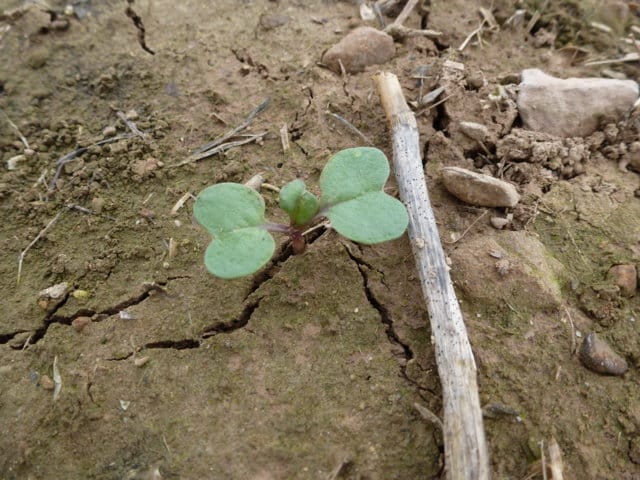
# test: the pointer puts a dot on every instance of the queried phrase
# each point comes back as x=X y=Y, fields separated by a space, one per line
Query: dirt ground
x=310 y=369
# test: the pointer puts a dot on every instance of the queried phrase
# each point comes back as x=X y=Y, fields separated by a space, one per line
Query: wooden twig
x=13 y=125
x=400 y=32
x=465 y=445
x=351 y=127
x=222 y=148
x=62 y=161
x=406 y=11
x=429 y=415
x=555 y=460
x=131 y=125
x=233 y=132
x=35 y=240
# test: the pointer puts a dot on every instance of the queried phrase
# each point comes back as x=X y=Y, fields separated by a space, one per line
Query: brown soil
x=309 y=369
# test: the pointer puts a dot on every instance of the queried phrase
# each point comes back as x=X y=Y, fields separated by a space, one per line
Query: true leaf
x=353 y=199
x=298 y=202
x=234 y=215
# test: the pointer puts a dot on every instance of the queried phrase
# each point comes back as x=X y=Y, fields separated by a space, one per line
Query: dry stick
x=406 y=11
x=555 y=459
x=232 y=133
x=465 y=446
x=13 y=125
x=62 y=161
x=33 y=242
x=223 y=148
x=350 y=126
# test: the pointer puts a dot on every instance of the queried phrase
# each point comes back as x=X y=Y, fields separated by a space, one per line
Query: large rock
x=479 y=189
x=362 y=47
x=571 y=107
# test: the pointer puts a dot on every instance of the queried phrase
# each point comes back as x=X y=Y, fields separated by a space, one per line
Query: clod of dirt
x=571 y=107
x=598 y=356
x=565 y=156
x=625 y=277
x=109 y=131
x=46 y=382
x=361 y=48
x=269 y=21
x=534 y=278
x=479 y=189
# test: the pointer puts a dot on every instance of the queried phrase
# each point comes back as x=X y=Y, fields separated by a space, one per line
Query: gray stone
x=479 y=189
x=360 y=48
x=598 y=356
x=571 y=107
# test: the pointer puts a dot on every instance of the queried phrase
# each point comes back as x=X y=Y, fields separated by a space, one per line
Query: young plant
x=352 y=199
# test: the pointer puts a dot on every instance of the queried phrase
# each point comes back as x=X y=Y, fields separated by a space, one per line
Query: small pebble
x=597 y=355
x=79 y=323
x=625 y=277
x=479 y=189
x=56 y=291
x=46 y=382
x=269 y=21
x=140 y=361
x=362 y=47
x=109 y=131
x=503 y=266
x=131 y=115
x=474 y=130
x=29 y=152
x=499 y=223
x=97 y=204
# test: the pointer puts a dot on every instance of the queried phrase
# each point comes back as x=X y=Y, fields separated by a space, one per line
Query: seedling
x=352 y=199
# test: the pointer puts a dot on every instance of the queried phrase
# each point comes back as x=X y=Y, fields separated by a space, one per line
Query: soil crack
x=385 y=316
x=52 y=318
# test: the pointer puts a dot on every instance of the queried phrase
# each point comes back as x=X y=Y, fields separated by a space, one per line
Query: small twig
x=178 y=205
x=33 y=242
x=543 y=461
x=132 y=126
x=406 y=11
x=467 y=229
x=221 y=148
x=429 y=416
x=344 y=463
x=284 y=138
x=400 y=32
x=268 y=186
x=350 y=126
x=475 y=32
x=57 y=379
x=325 y=224
x=76 y=153
x=573 y=332
x=233 y=132
x=555 y=460
x=13 y=125
x=425 y=110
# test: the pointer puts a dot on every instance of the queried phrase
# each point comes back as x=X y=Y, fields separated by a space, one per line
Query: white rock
x=56 y=291
x=479 y=189
x=571 y=107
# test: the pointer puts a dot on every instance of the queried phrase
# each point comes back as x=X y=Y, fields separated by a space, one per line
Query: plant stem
x=278 y=227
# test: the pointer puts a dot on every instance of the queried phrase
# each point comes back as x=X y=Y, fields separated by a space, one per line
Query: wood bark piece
x=465 y=447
